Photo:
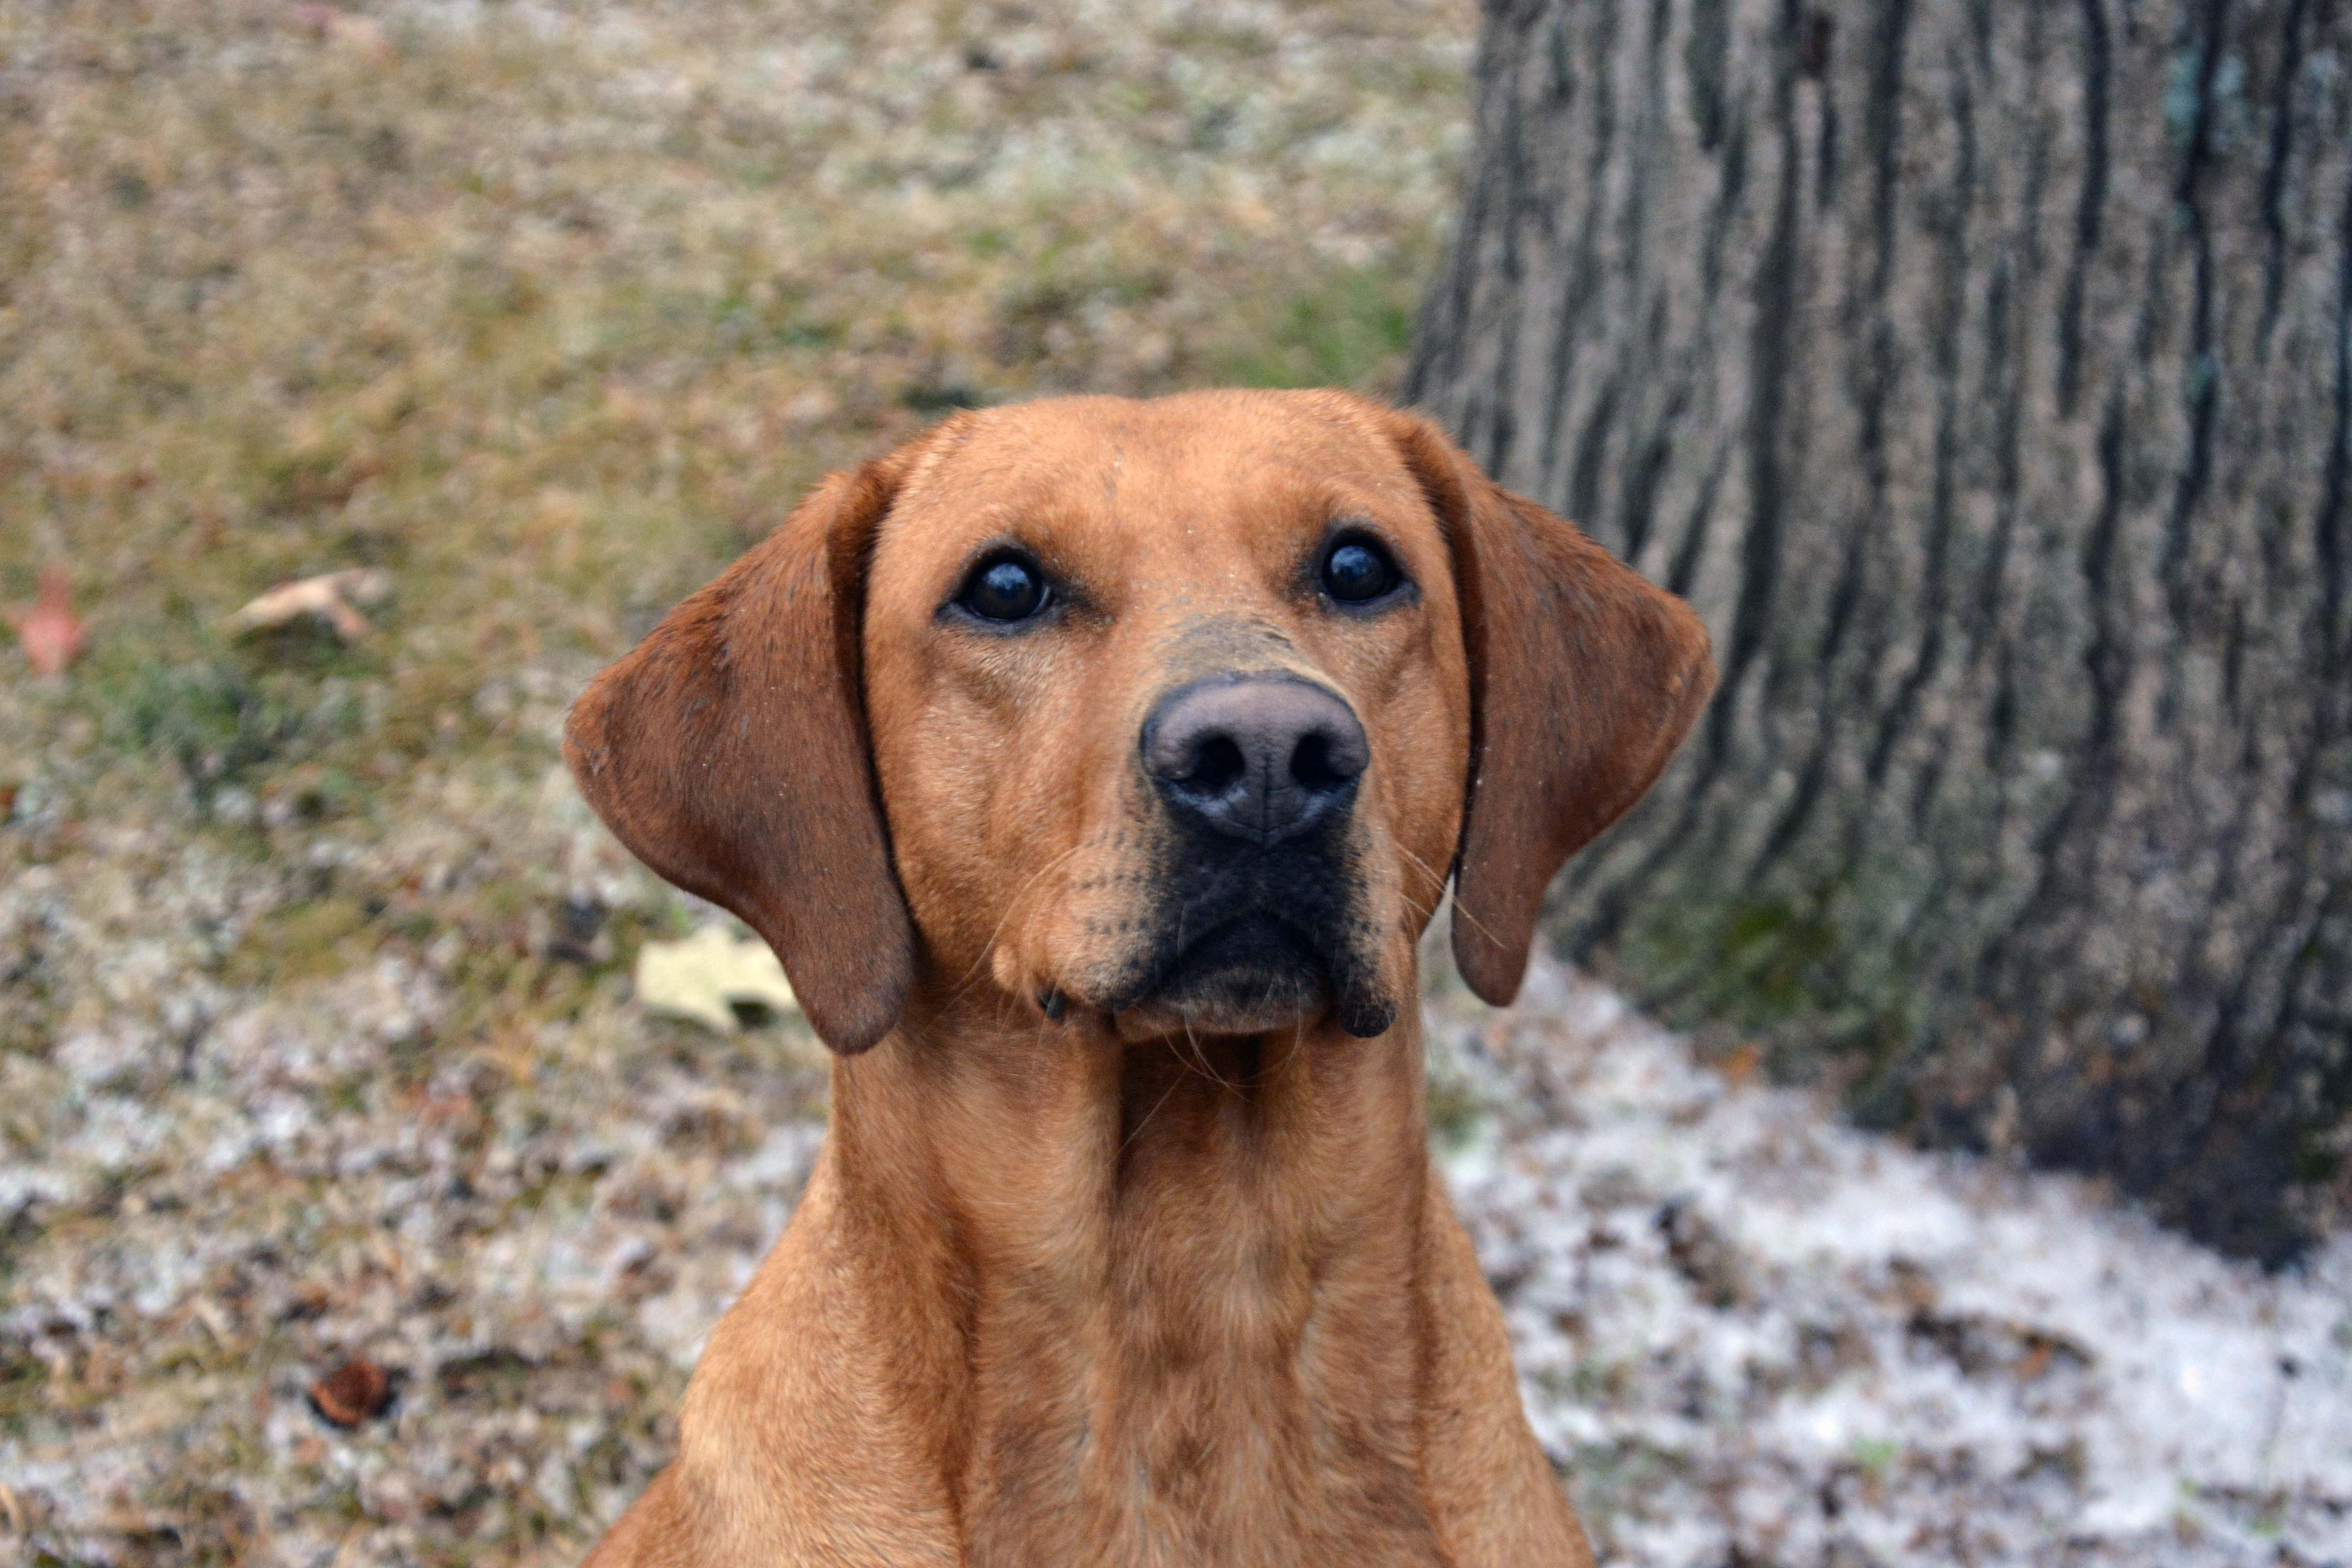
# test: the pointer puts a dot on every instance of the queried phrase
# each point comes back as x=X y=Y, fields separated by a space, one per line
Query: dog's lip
x=1165 y=972
x=1257 y=911
x=1353 y=997
x=1361 y=1005
x=1148 y=995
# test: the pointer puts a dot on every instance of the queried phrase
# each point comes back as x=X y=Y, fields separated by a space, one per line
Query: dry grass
x=314 y=1027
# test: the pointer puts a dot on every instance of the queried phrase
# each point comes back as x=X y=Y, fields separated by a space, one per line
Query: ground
x=1752 y=1336
x=317 y=1031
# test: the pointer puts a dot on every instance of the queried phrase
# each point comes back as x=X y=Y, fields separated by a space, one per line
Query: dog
x=1094 y=766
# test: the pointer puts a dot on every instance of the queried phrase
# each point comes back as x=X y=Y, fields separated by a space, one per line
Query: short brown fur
x=1084 y=1277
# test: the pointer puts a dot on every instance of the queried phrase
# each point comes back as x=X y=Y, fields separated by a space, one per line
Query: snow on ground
x=1749 y=1335
x=1752 y=1335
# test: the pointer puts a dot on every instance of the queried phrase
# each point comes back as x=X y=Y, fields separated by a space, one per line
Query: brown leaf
x=362 y=36
x=1739 y=1066
x=329 y=596
x=351 y=1393
x=52 y=634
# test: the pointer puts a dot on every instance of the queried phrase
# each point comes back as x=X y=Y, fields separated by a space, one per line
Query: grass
x=1351 y=334
x=553 y=346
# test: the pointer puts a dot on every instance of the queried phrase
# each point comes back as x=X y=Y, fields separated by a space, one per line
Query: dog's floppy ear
x=1584 y=680
x=729 y=752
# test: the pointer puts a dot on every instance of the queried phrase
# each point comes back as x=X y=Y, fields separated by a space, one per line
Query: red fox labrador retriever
x=1093 y=766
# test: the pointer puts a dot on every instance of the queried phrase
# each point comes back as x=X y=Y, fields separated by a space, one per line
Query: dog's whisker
x=1461 y=911
x=1480 y=926
x=1268 y=1071
x=988 y=948
x=1138 y=1131
x=1297 y=1044
x=1423 y=866
x=1266 y=1003
x=1202 y=1057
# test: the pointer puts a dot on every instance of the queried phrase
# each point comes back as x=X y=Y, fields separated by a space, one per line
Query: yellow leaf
x=701 y=977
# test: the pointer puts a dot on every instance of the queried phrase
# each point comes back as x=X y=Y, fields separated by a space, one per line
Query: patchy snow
x=1752 y=1335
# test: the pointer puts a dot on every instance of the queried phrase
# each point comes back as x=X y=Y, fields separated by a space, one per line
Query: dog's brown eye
x=1003 y=588
x=1357 y=571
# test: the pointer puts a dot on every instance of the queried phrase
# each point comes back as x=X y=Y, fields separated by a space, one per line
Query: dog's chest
x=1190 y=1493
x=1236 y=1432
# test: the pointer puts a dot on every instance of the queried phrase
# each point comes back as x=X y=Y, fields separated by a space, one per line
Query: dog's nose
x=1256 y=757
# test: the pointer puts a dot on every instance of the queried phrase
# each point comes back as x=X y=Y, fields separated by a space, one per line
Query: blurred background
x=377 y=1141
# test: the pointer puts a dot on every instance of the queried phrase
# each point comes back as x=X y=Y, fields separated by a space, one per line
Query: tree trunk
x=1980 y=370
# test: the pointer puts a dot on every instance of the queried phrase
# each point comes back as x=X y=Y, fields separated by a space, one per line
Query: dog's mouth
x=1255 y=963
x=1256 y=970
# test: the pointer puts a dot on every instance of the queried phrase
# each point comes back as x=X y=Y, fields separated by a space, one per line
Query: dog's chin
x=1255 y=975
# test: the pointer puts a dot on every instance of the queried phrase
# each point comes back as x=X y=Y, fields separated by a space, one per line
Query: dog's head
x=1179 y=711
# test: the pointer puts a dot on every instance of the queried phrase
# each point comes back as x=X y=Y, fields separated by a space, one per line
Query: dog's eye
x=1356 y=570
x=1003 y=588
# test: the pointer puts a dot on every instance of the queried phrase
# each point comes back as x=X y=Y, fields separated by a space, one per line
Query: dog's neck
x=1137 y=1277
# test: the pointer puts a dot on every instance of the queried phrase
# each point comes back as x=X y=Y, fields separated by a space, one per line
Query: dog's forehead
x=1123 y=467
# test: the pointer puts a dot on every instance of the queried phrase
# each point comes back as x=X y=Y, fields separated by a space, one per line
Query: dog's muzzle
x=1259 y=921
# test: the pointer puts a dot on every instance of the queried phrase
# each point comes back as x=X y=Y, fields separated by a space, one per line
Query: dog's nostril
x=1330 y=756
x=1311 y=766
x=1217 y=765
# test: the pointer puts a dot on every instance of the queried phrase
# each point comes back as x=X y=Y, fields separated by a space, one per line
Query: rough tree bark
x=1980 y=370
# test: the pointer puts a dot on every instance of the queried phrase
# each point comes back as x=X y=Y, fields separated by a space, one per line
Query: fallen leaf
x=52 y=634
x=1738 y=1068
x=351 y=1393
x=701 y=977
x=362 y=36
x=329 y=596
x=309 y=1302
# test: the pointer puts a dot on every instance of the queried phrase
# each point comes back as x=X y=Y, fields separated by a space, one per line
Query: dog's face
x=1170 y=710
x=1178 y=712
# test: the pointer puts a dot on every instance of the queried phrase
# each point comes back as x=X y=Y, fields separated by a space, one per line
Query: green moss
x=1817 y=977
x=318 y=936
x=1874 y=1456
x=24 y=1379
x=215 y=722
x=1344 y=332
